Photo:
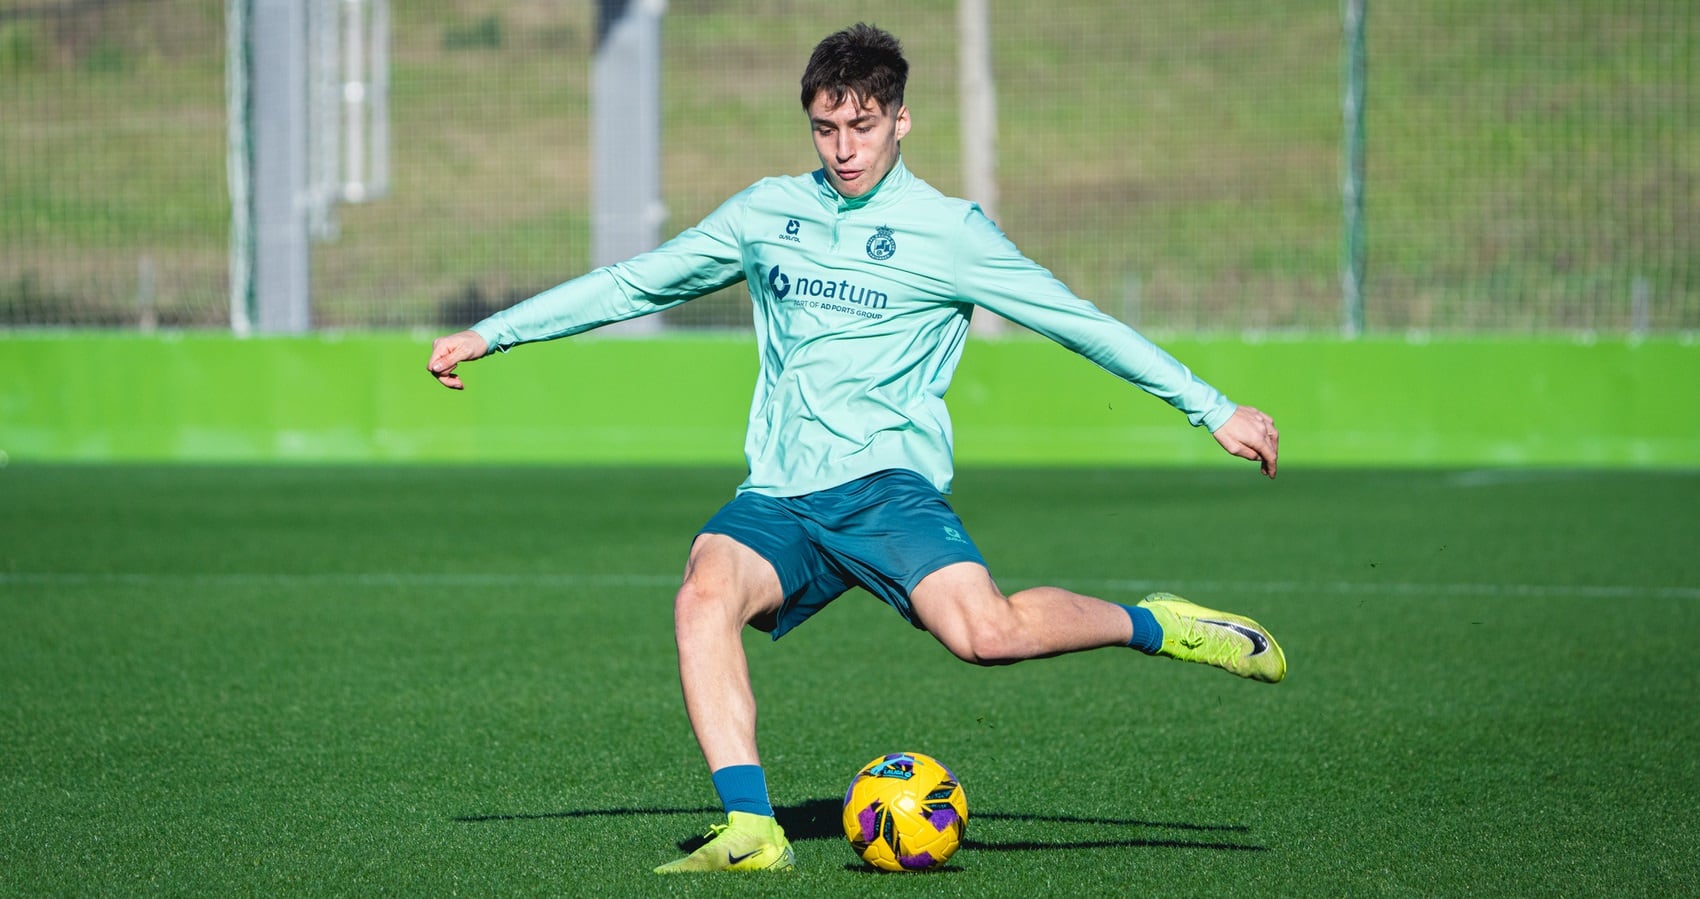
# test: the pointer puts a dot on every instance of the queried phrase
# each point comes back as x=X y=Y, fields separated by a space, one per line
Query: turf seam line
x=567 y=579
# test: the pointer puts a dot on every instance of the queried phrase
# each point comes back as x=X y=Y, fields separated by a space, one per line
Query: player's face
x=856 y=142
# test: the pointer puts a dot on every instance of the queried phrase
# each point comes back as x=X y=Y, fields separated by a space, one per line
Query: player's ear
x=902 y=121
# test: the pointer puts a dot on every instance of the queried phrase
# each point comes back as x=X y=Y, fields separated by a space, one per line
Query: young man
x=863 y=278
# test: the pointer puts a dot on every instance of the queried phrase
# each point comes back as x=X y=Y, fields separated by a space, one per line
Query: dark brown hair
x=860 y=60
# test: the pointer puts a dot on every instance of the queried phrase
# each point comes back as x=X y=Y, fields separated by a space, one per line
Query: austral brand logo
x=882 y=245
x=823 y=293
x=792 y=226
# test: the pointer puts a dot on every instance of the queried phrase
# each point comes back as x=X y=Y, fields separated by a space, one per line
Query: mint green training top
x=861 y=307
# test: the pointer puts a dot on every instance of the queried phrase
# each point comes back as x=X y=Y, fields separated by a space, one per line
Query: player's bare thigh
x=957 y=603
x=725 y=577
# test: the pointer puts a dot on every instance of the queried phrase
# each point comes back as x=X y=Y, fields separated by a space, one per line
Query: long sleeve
x=700 y=260
x=993 y=274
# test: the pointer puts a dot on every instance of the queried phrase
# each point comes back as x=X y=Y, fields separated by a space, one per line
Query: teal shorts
x=883 y=533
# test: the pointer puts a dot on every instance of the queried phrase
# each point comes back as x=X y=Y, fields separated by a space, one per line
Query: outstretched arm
x=448 y=352
x=1250 y=434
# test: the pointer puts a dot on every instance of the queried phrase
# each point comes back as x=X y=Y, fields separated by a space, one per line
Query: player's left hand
x=448 y=352
x=1250 y=434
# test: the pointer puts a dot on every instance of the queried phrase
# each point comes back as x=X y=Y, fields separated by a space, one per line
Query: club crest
x=882 y=245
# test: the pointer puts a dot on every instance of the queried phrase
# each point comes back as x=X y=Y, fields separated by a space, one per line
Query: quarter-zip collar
x=891 y=185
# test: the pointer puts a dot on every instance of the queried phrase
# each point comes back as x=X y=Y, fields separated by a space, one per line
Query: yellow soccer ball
x=905 y=812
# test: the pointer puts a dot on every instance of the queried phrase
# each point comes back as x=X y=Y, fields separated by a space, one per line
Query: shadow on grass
x=820 y=819
x=584 y=813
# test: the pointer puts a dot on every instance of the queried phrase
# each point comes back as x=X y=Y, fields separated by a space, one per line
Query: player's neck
x=846 y=204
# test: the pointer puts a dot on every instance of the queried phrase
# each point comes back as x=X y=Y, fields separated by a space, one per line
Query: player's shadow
x=821 y=819
x=1203 y=841
x=583 y=813
x=817 y=819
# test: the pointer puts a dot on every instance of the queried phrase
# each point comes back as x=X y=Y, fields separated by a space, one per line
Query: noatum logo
x=796 y=289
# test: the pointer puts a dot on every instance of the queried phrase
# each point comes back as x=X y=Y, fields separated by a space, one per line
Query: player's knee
x=701 y=602
x=707 y=601
x=989 y=641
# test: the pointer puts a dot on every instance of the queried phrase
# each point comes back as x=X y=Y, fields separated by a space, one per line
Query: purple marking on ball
x=869 y=820
x=916 y=862
x=941 y=818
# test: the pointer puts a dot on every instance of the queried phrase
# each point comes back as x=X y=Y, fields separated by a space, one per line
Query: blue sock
x=1147 y=633
x=743 y=788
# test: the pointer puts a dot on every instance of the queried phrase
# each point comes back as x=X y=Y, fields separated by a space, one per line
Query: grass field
x=459 y=681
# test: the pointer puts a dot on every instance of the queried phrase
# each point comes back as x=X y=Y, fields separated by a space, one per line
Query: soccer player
x=863 y=278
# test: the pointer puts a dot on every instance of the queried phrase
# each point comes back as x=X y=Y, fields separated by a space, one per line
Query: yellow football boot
x=745 y=842
x=1233 y=643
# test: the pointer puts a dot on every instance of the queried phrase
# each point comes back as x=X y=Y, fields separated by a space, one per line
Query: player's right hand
x=448 y=352
x=1250 y=434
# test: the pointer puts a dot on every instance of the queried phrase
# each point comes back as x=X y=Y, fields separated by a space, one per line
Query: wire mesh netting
x=1534 y=167
x=1530 y=167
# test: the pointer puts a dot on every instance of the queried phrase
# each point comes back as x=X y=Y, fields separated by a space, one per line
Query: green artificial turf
x=459 y=681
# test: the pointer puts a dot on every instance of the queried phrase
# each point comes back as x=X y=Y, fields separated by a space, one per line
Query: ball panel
x=941 y=815
x=919 y=862
x=868 y=821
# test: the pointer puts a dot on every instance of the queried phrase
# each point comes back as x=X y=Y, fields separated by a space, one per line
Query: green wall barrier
x=1378 y=401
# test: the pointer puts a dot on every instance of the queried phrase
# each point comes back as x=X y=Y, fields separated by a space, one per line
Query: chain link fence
x=1530 y=167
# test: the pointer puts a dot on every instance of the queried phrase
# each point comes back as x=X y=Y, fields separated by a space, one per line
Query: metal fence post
x=277 y=125
x=1352 y=183
x=626 y=209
